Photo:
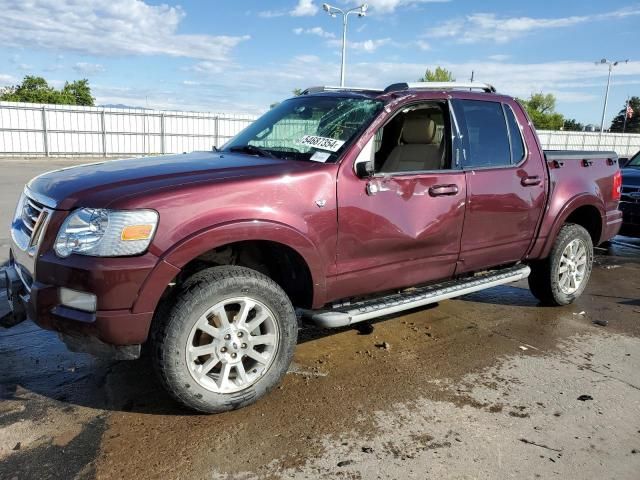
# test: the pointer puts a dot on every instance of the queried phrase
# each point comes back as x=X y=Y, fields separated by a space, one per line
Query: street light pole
x=333 y=11
x=604 y=61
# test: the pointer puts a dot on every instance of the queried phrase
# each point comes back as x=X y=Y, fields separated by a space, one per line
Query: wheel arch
x=585 y=210
x=277 y=238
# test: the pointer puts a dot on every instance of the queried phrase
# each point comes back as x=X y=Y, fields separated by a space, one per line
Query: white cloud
x=6 y=80
x=250 y=89
x=388 y=6
x=367 y=46
x=84 y=68
x=107 y=27
x=272 y=13
x=490 y=27
x=318 y=31
x=499 y=57
x=305 y=8
x=207 y=67
x=370 y=46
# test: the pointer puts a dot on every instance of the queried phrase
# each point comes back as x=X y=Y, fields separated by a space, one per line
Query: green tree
x=438 y=75
x=633 y=123
x=542 y=111
x=80 y=91
x=36 y=90
x=572 y=125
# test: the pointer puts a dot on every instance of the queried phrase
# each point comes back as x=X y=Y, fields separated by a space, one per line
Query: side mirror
x=364 y=169
x=364 y=166
x=622 y=162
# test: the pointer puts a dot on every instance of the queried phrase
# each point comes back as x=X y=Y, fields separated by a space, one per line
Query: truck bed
x=578 y=155
x=579 y=178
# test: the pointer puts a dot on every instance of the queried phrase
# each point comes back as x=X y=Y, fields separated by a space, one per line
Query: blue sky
x=241 y=56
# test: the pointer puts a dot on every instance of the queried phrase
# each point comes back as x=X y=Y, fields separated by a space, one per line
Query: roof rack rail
x=320 y=89
x=397 y=87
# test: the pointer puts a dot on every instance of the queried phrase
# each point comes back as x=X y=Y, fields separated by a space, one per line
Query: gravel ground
x=490 y=385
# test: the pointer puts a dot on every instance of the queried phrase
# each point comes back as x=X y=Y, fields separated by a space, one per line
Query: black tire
x=544 y=281
x=174 y=323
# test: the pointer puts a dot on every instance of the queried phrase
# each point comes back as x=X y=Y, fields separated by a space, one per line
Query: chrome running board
x=349 y=313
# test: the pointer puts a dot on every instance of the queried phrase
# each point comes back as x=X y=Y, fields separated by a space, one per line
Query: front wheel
x=563 y=276
x=226 y=339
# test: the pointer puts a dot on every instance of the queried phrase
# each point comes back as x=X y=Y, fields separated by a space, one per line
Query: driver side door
x=402 y=225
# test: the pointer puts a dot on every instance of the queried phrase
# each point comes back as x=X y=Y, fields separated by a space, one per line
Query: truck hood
x=97 y=184
x=631 y=177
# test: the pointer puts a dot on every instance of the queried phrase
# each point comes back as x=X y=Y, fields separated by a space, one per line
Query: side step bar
x=348 y=314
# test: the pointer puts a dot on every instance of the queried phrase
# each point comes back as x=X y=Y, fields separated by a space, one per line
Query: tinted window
x=517 y=145
x=487 y=134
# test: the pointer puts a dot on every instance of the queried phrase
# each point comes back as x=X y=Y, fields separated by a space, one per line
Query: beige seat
x=417 y=151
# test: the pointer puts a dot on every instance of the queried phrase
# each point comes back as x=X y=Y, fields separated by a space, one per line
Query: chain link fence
x=28 y=129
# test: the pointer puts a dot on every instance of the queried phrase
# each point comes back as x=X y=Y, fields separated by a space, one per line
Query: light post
x=333 y=11
x=610 y=64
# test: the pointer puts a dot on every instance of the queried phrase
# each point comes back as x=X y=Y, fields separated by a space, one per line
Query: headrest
x=418 y=130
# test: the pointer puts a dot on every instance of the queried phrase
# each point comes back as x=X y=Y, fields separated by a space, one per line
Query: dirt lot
x=486 y=386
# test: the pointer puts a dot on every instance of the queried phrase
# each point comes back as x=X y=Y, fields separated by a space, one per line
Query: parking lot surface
x=489 y=385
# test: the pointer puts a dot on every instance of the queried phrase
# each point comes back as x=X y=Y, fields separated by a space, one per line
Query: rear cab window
x=492 y=135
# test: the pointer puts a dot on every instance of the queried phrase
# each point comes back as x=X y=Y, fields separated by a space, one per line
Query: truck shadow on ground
x=36 y=363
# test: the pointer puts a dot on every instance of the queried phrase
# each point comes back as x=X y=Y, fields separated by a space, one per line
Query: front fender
x=216 y=236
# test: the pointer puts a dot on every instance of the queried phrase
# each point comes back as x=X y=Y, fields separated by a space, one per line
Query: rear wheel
x=226 y=340
x=563 y=276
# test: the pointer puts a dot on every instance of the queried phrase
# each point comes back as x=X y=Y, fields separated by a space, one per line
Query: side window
x=414 y=140
x=517 y=144
x=487 y=134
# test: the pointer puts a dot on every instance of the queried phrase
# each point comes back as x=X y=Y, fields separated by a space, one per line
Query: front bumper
x=113 y=330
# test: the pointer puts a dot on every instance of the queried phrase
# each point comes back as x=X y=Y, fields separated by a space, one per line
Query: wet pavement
x=490 y=385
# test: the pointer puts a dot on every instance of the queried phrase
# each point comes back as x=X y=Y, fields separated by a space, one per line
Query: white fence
x=28 y=129
x=624 y=144
x=64 y=130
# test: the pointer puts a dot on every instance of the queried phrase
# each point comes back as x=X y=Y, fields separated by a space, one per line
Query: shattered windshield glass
x=316 y=128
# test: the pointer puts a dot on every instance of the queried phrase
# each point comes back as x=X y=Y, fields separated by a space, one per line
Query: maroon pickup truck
x=337 y=206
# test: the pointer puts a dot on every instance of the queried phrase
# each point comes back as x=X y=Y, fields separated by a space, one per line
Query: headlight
x=106 y=233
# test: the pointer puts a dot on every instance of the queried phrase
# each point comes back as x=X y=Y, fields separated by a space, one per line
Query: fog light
x=78 y=300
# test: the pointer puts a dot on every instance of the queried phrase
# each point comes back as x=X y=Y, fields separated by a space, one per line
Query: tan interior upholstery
x=416 y=151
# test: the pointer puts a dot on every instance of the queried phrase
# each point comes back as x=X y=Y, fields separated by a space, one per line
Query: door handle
x=439 y=190
x=531 y=181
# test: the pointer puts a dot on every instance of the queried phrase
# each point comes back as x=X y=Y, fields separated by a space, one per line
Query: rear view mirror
x=364 y=166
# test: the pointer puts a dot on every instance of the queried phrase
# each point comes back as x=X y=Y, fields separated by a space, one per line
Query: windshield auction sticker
x=321 y=143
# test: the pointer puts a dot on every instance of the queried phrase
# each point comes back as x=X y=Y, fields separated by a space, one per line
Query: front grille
x=31 y=212
x=29 y=223
x=630 y=194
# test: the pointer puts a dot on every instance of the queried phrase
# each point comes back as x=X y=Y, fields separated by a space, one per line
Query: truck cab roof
x=396 y=90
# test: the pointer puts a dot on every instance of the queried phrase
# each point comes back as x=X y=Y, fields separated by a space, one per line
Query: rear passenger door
x=505 y=184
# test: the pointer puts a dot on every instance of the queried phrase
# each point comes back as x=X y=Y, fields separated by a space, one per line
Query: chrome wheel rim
x=573 y=266
x=232 y=345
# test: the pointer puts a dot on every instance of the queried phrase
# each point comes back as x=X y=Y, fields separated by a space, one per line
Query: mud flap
x=14 y=289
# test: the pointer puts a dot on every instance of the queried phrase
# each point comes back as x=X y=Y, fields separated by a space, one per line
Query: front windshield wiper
x=253 y=150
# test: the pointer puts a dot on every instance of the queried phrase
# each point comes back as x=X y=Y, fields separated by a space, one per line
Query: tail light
x=617 y=186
